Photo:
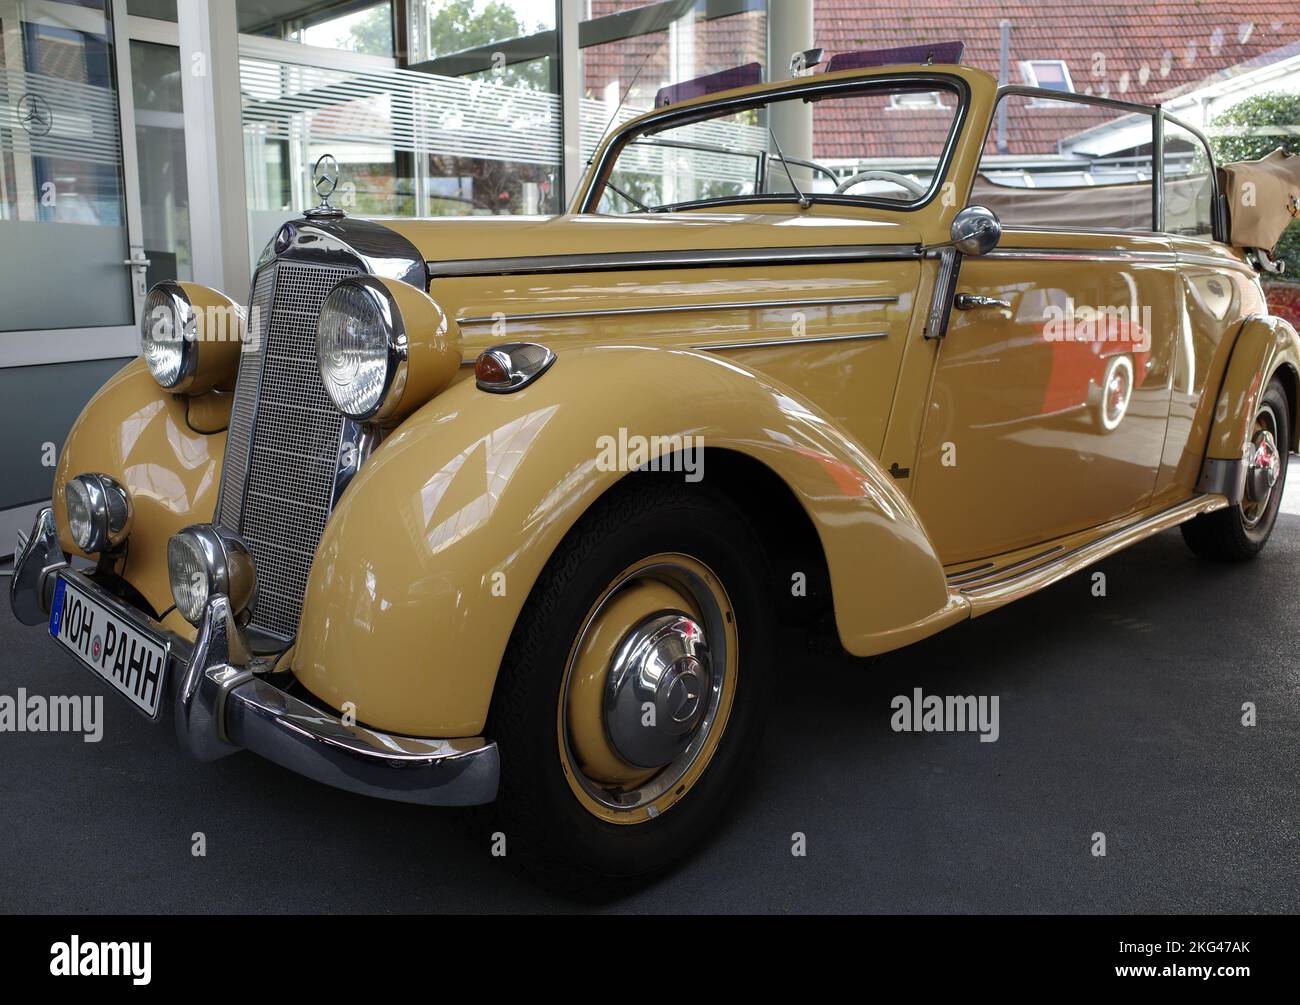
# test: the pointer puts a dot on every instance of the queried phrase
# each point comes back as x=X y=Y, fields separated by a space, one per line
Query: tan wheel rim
x=648 y=688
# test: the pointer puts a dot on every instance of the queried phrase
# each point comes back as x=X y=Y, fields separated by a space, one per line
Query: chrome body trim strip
x=222 y=703
x=695 y=259
x=1191 y=258
x=674 y=309
x=988 y=594
x=777 y=342
x=973 y=577
x=1078 y=255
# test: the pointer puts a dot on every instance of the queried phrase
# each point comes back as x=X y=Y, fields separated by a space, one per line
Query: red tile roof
x=1136 y=51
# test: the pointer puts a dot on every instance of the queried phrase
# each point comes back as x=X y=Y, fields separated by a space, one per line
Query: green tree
x=373 y=34
x=1274 y=109
x=455 y=26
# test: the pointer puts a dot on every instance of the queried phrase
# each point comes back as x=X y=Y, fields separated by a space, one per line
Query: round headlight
x=204 y=560
x=166 y=335
x=361 y=348
x=99 y=512
x=79 y=521
x=191 y=580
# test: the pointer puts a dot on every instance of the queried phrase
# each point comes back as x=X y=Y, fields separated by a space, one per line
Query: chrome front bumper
x=220 y=706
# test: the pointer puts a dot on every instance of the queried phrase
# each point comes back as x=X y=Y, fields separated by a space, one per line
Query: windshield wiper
x=630 y=198
x=804 y=201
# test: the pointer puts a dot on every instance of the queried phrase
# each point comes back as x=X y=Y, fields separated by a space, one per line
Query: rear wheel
x=634 y=688
x=1239 y=532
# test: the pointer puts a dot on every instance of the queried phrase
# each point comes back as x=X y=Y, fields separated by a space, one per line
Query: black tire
x=548 y=833
x=1227 y=535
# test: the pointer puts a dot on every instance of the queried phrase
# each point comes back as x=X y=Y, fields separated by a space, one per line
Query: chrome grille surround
x=289 y=452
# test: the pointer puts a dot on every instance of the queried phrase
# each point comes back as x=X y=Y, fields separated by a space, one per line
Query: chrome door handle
x=969 y=302
x=138 y=263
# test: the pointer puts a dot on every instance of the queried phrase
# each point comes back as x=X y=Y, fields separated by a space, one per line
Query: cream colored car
x=510 y=512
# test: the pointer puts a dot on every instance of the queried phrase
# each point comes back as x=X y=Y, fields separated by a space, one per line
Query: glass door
x=75 y=268
x=160 y=145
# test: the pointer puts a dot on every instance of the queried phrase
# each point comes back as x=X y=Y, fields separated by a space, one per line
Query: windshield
x=881 y=144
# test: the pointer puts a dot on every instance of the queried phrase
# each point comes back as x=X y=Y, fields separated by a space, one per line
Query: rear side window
x=1189 y=184
x=1067 y=164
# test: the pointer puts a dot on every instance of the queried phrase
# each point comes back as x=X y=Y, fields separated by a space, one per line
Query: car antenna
x=621 y=102
x=804 y=201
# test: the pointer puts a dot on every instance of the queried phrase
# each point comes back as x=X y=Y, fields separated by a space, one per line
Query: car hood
x=460 y=239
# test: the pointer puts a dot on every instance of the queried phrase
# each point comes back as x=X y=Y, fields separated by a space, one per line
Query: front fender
x=1264 y=346
x=138 y=434
x=429 y=556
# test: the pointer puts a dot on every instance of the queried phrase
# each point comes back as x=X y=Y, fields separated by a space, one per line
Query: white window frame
x=1031 y=77
x=903 y=106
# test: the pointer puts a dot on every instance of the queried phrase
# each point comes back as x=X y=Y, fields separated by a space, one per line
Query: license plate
x=129 y=659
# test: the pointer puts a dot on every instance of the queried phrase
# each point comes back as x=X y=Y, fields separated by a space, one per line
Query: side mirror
x=976 y=230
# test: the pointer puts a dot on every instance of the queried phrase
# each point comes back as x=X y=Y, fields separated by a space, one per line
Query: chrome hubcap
x=1264 y=467
x=648 y=688
x=657 y=689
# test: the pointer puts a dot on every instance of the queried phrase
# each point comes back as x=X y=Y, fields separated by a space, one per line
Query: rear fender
x=1265 y=347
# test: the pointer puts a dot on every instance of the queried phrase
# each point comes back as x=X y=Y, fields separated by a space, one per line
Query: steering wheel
x=879 y=174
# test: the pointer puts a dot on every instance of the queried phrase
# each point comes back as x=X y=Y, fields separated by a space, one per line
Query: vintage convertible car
x=513 y=512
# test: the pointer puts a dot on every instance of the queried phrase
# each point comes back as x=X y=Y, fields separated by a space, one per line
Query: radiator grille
x=240 y=433
x=290 y=433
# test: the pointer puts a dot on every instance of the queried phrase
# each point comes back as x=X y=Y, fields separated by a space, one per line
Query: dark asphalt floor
x=1119 y=715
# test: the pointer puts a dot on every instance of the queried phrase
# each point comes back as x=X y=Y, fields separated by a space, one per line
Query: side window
x=1189 y=185
x=1069 y=164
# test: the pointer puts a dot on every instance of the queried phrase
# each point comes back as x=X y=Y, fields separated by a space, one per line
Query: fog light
x=204 y=560
x=99 y=512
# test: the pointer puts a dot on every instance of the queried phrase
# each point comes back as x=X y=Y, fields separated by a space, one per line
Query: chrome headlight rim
x=227 y=568
x=182 y=311
x=396 y=348
x=109 y=512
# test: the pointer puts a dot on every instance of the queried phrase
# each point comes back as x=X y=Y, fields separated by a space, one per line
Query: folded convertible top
x=1263 y=198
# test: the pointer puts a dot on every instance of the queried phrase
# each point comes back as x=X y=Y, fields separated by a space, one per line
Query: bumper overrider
x=221 y=705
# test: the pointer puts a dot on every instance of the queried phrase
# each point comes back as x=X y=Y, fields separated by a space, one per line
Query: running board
x=989 y=586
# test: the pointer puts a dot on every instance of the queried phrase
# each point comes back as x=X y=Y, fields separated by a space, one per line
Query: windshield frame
x=799 y=88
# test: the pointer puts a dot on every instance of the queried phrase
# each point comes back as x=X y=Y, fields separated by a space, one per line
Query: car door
x=1040 y=424
x=1050 y=397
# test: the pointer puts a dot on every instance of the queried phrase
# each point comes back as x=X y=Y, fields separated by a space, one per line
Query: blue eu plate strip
x=56 y=608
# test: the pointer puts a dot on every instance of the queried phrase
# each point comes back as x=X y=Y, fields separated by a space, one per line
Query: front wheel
x=1239 y=532
x=634 y=688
